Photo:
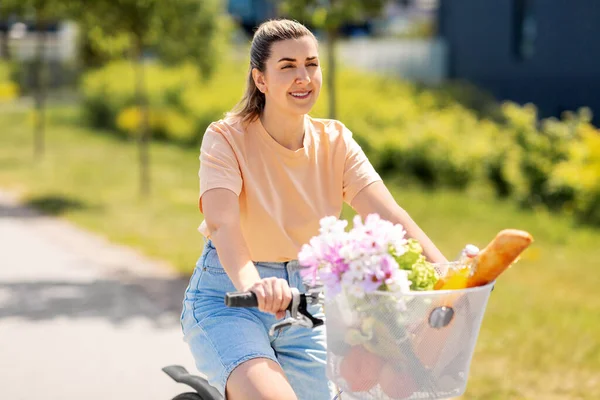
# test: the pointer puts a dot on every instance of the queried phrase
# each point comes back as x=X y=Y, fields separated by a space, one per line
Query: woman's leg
x=302 y=352
x=303 y=356
x=230 y=346
x=260 y=379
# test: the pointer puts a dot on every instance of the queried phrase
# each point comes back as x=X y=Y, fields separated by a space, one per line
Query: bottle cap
x=471 y=250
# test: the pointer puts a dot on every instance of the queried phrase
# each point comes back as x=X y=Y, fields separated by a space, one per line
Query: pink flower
x=359 y=260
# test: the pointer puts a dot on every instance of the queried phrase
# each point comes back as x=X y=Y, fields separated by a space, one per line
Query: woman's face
x=292 y=79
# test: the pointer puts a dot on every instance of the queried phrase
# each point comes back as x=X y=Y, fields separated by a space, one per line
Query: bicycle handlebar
x=241 y=299
x=298 y=308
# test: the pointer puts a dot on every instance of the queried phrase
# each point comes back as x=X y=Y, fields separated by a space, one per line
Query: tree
x=175 y=30
x=42 y=13
x=4 y=31
x=330 y=16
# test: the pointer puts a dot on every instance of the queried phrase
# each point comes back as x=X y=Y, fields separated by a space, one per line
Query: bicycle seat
x=199 y=384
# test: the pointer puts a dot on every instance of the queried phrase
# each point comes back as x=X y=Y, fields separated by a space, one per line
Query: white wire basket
x=414 y=346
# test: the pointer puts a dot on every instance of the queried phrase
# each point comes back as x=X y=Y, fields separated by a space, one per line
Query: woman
x=268 y=174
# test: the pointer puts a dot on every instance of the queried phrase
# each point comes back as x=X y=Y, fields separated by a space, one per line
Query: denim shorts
x=221 y=338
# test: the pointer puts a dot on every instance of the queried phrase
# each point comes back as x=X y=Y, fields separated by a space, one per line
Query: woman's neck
x=287 y=130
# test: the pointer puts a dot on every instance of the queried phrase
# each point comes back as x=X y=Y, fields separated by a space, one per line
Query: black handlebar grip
x=241 y=299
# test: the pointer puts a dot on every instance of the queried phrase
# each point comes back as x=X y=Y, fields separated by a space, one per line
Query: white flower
x=356 y=290
x=332 y=225
x=355 y=266
x=401 y=282
x=347 y=252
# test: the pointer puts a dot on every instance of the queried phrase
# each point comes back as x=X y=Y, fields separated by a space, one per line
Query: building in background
x=22 y=40
x=546 y=52
x=399 y=16
x=250 y=13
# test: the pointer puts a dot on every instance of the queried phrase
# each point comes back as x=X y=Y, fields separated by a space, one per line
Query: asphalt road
x=81 y=318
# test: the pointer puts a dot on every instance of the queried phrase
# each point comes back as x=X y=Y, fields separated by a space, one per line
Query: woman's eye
x=287 y=66
x=313 y=65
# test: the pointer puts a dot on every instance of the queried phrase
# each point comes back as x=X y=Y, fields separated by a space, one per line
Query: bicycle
x=298 y=315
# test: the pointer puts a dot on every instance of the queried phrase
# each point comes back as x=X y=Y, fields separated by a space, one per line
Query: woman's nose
x=303 y=76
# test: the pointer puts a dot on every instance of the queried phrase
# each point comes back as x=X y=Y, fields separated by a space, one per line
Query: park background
x=479 y=115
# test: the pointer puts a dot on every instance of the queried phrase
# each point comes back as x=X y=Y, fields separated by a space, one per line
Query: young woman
x=268 y=174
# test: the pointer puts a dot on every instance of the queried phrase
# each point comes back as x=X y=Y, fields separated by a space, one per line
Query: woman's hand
x=274 y=295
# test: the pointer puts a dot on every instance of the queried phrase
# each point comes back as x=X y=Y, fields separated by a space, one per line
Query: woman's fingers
x=273 y=294
x=259 y=291
x=268 y=289
x=278 y=288
x=286 y=295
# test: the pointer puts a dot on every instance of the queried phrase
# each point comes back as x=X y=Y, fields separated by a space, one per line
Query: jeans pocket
x=212 y=270
x=214 y=281
x=191 y=294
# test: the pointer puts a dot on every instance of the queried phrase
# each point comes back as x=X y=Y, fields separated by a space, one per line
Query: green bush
x=181 y=103
x=578 y=174
x=9 y=90
x=415 y=132
x=453 y=136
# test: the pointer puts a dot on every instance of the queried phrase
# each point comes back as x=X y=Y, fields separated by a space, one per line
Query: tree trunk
x=39 y=70
x=331 y=42
x=4 y=46
x=144 y=131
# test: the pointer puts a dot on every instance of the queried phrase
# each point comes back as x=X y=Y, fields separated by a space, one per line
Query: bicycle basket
x=413 y=346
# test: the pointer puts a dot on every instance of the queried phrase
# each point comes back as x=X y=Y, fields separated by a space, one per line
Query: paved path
x=81 y=318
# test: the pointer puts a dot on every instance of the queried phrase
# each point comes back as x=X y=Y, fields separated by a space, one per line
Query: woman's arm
x=222 y=215
x=376 y=198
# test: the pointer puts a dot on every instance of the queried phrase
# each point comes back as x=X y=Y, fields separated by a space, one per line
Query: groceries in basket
x=398 y=326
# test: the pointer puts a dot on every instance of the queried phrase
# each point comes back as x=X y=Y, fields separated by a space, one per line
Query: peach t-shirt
x=283 y=193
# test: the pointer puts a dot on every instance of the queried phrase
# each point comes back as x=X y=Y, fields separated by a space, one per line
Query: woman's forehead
x=298 y=49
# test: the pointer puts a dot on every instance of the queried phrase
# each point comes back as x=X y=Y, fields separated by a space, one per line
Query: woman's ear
x=259 y=80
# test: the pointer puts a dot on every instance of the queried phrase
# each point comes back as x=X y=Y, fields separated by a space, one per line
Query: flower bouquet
x=390 y=335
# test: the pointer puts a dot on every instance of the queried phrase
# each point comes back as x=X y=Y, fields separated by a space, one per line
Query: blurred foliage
x=181 y=103
x=9 y=90
x=578 y=174
x=36 y=74
x=39 y=11
x=453 y=136
x=175 y=31
x=331 y=14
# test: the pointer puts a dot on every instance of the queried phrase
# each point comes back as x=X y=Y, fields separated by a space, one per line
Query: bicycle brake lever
x=314 y=295
x=299 y=312
x=309 y=320
x=288 y=322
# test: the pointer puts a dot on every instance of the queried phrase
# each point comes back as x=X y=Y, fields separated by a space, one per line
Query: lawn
x=541 y=334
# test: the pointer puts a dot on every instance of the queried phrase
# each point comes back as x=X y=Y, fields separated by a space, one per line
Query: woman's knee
x=260 y=379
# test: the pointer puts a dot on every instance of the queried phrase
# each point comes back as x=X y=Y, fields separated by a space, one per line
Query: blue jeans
x=221 y=338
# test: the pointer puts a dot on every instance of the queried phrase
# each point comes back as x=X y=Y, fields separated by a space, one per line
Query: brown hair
x=253 y=102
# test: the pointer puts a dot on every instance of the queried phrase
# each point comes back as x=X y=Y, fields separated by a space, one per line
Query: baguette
x=498 y=255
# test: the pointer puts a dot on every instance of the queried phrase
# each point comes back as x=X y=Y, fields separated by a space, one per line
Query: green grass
x=540 y=338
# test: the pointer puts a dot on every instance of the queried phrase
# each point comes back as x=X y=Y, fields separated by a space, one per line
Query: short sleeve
x=219 y=166
x=358 y=170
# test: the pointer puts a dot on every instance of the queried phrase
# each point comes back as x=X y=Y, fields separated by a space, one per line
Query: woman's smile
x=305 y=94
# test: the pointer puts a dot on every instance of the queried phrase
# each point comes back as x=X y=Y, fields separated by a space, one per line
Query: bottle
x=458 y=274
x=467 y=254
